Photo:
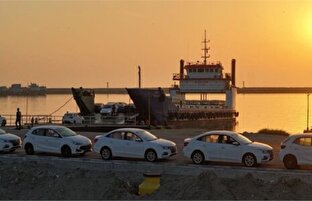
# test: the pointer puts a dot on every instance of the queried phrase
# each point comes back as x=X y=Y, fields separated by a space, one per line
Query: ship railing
x=33 y=119
x=191 y=114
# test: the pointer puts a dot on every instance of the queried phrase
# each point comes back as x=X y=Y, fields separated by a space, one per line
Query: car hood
x=81 y=139
x=259 y=145
x=9 y=136
x=163 y=142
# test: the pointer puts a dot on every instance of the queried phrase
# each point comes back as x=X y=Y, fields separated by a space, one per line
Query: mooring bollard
x=150 y=184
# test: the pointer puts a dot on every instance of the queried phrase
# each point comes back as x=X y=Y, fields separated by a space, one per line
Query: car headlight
x=266 y=151
x=4 y=140
x=77 y=143
x=165 y=147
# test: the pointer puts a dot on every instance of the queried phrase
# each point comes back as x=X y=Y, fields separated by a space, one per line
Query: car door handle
x=222 y=147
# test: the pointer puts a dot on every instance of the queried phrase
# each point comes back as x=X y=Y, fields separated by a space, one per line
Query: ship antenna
x=206 y=55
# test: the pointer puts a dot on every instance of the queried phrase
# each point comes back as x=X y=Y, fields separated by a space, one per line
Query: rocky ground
x=36 y=181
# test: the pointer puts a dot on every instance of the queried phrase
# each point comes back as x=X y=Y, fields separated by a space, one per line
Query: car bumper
x=168 y=152
x=83 y=149
x=10 y=147
x=267 y=157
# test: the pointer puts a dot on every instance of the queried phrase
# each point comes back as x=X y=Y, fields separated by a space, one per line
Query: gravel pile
x=30 y=180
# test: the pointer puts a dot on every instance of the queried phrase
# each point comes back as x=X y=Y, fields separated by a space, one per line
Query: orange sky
x=90 y=43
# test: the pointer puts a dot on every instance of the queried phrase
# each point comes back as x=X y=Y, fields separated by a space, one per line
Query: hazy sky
x=90 y=43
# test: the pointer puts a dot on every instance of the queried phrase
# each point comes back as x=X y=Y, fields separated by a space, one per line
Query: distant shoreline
x=243 y=90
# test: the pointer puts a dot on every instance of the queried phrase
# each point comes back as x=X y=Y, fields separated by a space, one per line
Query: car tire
x=29 y=149
x=198 y=157
x=290 y=162
x=106 y=153
x=249 y=160
x=150 y=155
x=66 y=151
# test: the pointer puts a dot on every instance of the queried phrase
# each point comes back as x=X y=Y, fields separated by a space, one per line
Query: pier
x=240 y=90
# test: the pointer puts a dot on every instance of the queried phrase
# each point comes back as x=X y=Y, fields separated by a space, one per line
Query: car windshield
x=65 y=132
x=147 y=136
x=2 y=132
x=242 y=139
x=107 y=106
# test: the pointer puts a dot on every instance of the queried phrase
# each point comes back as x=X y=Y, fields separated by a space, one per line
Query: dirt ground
x=38 y=181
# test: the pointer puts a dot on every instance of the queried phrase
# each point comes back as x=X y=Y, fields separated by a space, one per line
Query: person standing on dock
x=18 y=119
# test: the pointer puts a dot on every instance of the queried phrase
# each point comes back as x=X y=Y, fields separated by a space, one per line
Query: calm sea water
x=256 y=111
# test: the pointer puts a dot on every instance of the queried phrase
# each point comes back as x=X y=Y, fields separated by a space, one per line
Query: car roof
x=48 y=126
x=300 y=135
x=219 y=132
x=127 y=129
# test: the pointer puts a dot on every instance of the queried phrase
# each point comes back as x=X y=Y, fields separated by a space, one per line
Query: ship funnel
x=233 y=72
x=181 y=69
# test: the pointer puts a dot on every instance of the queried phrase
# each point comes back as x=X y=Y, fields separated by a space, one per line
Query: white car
x=133 y=143
x=55 y=139
x=296 y=150
x=2 y=121
x=72 y=118
x=9 y=142
x=226 y=146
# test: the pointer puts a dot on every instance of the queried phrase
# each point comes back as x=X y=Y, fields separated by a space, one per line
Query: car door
x=134 y=145
x=230 y=150
x=53 y=141
x=38 y=139
x=303 y=150
x=116 y=142
x=210 y=146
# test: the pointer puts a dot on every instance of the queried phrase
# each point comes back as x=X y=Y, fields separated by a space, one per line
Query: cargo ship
x=177 y=111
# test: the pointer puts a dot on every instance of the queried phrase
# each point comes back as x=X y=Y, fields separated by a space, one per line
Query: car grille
x=15 y=142
x=86 y=147
x=173 y=149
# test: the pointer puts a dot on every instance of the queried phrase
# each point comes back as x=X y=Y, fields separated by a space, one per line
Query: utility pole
x=139 y=73
x=308 y=111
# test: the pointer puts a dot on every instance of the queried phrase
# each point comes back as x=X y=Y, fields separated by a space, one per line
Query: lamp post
x=308 y=111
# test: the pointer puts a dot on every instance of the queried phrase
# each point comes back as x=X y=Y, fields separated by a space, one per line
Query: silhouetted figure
x=18 y=119
x=114 y=110
x=32 y=121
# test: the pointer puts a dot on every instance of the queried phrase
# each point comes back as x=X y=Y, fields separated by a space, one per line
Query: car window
x=305 y=141
x=228 y=140
x=132 y=137
x=209 y=138
x=65 y=132
x=116 y=135
x=147 y=136
x=39 y=132
x=51 y=133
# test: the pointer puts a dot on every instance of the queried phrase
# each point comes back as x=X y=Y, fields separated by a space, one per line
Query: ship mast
x=205 y=49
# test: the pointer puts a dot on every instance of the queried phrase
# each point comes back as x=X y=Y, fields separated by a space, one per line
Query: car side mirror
x=56 y=135
x=235 y=143
x=138 y=140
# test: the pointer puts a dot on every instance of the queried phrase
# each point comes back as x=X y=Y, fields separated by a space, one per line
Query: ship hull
x=148 y=104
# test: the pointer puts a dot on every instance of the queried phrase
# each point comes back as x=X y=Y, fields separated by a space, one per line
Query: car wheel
x=290 y=162
x=106 y=153
x=198 y=157
x=66 y=151
x=150 y=155
x=249 y=160
x=29 y=149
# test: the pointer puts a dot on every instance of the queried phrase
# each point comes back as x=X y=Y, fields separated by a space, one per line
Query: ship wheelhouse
x=204 y=78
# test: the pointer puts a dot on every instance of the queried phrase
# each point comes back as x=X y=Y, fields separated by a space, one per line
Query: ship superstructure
x=204 y=78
